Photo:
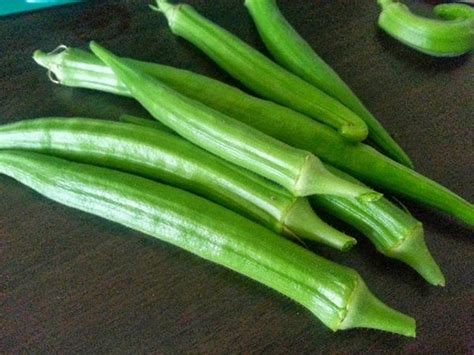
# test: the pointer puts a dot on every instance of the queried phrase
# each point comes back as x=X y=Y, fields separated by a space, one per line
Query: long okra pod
x=170 y=159
x=335 y=294
x=259 y=73
x=300 y=172
x=453 y=35
x=394 y=232
x=295 y=54
x=77 y=68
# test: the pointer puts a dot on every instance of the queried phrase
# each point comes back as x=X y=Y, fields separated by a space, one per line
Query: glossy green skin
x=153 y=154
x=454 y=11
x=213 y=233
x=299 y=218
x=79 y=69
x=192 y=223
x=382 y=222
x=163 y=156
x=295 y=54
x=259 y=73
x=394 y=232
x=298 y=171
x=450 y=37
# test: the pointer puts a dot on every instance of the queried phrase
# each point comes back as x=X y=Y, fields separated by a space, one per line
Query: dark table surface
x=71 y=282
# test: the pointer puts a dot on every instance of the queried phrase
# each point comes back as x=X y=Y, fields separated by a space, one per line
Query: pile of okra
x=238 y=178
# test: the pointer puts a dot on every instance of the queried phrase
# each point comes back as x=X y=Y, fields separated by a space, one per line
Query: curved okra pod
x=76 y=68
x=259 y=73
x=335 y=294
x=295 y=54
x=451 y=36
x=298 y=171
x=394 y=232
x=170 y=159
x=454 y=11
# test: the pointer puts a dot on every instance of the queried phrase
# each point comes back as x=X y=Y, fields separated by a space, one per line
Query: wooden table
x=71 y=282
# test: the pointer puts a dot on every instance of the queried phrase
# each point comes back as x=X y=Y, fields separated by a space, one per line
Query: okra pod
x=450 y=36
x=76 y=68
x=259 y=73
x=394 y=232
x=335 y=294
x=300 y=172
x=165 y=157
x=295 y=54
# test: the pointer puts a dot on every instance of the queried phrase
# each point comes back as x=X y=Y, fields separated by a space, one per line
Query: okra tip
x=167 y=9
x=354 y=132
x=40 y=58
x=366 y=311
x=51 y=61
x=301 y=220
x=414 y=252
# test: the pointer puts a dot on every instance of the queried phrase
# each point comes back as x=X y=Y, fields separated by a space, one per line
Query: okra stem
x=367 y=309
x=295 y=54
x=333 y=293
x=259 y=73
x=300 y=172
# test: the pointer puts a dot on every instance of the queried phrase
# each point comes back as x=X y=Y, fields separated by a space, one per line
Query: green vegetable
x=335 y=294
x=394 y=232
x=295 y=54
x=298 y=171
x=165 y=157
x=454 y=11
x=259 y=73
x=450 y=36
x=76 y=68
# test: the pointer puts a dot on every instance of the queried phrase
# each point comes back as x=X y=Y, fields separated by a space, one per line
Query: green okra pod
x=259 y=73
x=394 y=232
x=453 y=11
x=170 y=159
x=335 y=294
x=300 y=172
x=450 y=36
x=294 y=53
x=76 y=68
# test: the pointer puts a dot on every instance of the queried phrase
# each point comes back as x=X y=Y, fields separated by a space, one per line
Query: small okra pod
x=259 y=73
x=451 y=36
x=295 y=54
x=300 y=172
x=335 y=294
x=166 y=157
x=76 y=68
